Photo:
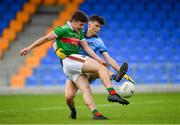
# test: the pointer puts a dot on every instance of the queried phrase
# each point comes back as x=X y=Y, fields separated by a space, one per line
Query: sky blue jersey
x=95 y=43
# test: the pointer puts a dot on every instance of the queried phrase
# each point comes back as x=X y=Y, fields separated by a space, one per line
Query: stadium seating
x=147 y=33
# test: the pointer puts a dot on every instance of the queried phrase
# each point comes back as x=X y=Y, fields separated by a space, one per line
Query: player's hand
x=127 y=77
x=25 y=51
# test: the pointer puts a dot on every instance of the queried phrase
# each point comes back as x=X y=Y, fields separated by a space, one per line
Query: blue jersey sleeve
x=101 y=47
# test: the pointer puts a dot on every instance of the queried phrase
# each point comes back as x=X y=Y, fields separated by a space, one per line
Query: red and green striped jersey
x=68 y=39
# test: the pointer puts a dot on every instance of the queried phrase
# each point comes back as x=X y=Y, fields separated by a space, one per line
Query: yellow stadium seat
x=4 y=43
x=9 y=34
x=77 y=1
x=36 y=2
x=70 y=8
x=23 y=17
x=29 y=8
x=64 y=16
x=32 y=61
x=25 y=71
x=16 y=25
x=63 y=2
x=17 y=81
x=58 y=22
x=49 y=2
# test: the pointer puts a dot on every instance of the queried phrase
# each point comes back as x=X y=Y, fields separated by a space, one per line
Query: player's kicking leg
x=70 y=92
x=91 y=65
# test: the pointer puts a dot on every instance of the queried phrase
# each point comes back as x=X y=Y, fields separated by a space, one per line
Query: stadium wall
x=96 y=89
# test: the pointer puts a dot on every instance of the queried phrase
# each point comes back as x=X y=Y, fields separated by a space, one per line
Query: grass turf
x=144 y=108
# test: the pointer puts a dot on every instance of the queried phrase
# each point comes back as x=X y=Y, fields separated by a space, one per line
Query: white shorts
x=72 y=66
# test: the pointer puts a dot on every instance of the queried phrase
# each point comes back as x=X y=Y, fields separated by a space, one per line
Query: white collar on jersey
x=69 y=24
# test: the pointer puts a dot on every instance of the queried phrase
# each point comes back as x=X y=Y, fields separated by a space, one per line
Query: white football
x=127 y=89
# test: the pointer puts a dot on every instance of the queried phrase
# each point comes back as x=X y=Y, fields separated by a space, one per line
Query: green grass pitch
x=144 y=108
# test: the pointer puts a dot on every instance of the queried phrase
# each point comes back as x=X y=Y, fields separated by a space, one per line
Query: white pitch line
x=61 y=108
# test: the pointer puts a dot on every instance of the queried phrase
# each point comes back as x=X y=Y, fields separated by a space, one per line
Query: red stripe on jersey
x=72 y=41
x=75 y=58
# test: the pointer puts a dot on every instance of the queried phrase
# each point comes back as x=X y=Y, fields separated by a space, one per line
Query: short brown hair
x=79 y=16
x=99 y=19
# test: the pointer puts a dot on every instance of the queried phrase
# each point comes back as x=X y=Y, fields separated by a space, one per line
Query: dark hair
x=98 y=19
x=79 y=16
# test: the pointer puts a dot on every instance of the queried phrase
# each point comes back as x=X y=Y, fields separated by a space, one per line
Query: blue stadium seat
x=139 y=74
x=155 y=25
x=142 y=25
x=91 y=2
x=149 y=34
x=32 y=81
x=133 y=16
x=176 y=34
x=120 y=17
x=167 y=7
x=164 y=34
x=138 y=7
x=169 y=24
x=175 y=73
x=164 y=74
x=152 y=7
x=21 y=2
x=127 y=25
x=175 y=58
x=135 y=34
x=3 y=24
x=161 y=16
x=85 y=7
x=174 y=15
x=158 y=42
x=147 y=16
x=122 y=35
x=125 y=8
x=3 y=8
x=143 y=42
x=177 y=6
x=112 y=8
x=8 y=17
x=8 y=2
x=15 y=8
x=48 y=80
x=98 y=8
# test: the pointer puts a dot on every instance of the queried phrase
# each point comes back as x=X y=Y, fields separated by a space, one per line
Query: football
x=127 y=89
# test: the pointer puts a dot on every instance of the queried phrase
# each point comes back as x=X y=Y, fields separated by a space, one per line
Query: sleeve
x=59 y=31
x=102 y=47
x=82 y=38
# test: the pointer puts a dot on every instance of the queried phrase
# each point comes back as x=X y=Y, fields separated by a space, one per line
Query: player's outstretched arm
x=111 y=61
x=91 y=53
x=40 y=41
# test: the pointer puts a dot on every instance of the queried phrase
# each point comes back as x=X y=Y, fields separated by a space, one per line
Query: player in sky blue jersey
x=96 y=43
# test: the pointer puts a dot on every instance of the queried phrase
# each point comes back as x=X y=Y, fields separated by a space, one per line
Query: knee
x=102 y=67
x=69 y=98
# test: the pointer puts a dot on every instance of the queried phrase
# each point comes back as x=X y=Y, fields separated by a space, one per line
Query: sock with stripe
x=111 y=91
x=96 y=113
